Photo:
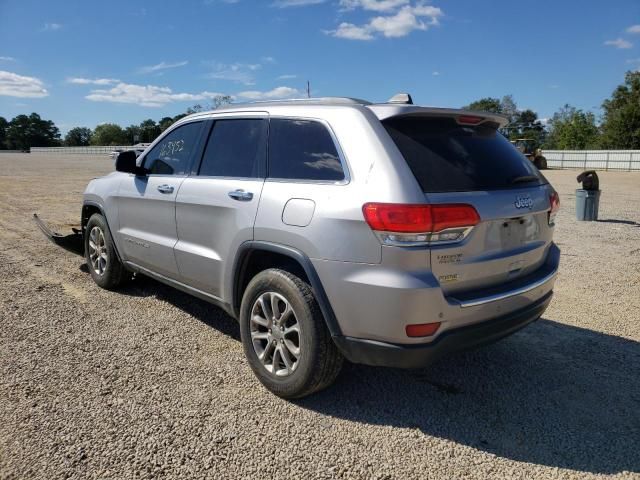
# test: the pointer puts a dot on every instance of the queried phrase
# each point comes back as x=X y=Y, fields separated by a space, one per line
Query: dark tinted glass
x=236 y=148
x=172 y=155
x=447 y=157
x=302 y=149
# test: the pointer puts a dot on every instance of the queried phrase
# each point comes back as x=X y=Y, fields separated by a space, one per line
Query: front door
x=146 y=203
x=216 y=208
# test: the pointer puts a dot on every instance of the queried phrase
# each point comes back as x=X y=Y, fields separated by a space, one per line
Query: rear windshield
x=447 y=157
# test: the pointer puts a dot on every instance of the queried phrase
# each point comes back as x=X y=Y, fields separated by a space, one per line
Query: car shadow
x=552 y=394
x=207 y=313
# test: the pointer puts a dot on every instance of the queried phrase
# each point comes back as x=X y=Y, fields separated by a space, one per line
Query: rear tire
x=284 y=336
x=541 y=163
x=100 y=254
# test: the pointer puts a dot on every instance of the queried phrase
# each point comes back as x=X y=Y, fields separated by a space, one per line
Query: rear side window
x=172 y=154
x=236 y=148
x=303 y=150
x=447 y=157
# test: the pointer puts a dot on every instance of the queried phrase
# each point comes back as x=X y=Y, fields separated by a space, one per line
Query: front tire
x=100 y=254
x=284 y=336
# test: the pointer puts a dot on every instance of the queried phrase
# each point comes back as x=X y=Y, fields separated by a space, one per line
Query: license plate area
x=513 y=232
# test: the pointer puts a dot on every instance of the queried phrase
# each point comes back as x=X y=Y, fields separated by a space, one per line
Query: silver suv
x=384 y=234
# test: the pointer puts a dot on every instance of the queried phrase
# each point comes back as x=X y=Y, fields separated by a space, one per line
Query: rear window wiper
x=524 y=179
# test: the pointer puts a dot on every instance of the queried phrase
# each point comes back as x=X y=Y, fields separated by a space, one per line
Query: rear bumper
x=376 y=353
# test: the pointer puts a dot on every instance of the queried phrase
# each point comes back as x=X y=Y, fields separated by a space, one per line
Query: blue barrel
x=587 y=202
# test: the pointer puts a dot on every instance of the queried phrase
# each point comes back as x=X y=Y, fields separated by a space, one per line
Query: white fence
x=594 y=159
x=582 y=159
x=81 y=150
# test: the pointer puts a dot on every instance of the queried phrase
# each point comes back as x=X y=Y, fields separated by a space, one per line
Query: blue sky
x=81 y=63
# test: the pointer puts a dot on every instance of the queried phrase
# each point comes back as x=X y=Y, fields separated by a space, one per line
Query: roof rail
x=315 y=101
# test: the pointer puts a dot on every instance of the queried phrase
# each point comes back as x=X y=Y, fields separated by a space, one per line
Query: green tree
x=526 y=125
x=487 y=104
x=509 y=108
x=132 y=132
x=109 y=134
x=78 y=137
x=220 y=101
x=165 y=123
x=621 y=119
x=31 y=131
x=572 y=129
x=149 y=130
x=3 y=132
x=197 y=108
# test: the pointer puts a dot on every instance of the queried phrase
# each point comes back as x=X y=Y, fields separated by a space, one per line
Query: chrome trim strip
x=501 y=296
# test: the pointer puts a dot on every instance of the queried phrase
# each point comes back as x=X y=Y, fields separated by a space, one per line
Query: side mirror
x=126 y=162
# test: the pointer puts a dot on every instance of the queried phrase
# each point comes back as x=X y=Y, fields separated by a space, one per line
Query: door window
x=236 y=148
x=304 y=150
x=172 y=154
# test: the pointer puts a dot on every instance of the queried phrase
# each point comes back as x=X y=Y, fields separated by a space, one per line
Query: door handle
x=165 y=188
x=241 y=195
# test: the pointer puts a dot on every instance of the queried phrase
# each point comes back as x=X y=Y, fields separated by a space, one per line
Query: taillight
x=391 y=217
x=420 y=224
x=554 y=200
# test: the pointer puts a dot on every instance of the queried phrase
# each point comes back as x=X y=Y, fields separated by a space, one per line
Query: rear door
x=216 y=206
x=146 y=204
x=474 y=164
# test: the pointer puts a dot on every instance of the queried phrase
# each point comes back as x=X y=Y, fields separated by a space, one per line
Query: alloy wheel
x=275 y=334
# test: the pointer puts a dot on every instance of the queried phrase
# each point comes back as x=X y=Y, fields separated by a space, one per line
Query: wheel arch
x=255 y=256
x=89 y=208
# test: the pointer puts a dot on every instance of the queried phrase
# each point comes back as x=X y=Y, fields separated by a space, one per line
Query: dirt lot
x=149 y=382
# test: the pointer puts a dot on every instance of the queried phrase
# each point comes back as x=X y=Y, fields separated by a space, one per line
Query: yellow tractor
x=528 y=147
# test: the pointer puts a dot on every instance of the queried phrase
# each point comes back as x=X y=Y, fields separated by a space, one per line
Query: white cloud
x=52 y=27
x=351 y=32
x=14 y=85
x=295 y=3
x=92 y=81
x=619 y=43
x=402 y=23
x=145 y=95
x=374 y=5
x=7 y=59
x=276 y=93
x=236 y=72
x=435 y=74
x=287 y=77
x=633 y=29
x=161 y=66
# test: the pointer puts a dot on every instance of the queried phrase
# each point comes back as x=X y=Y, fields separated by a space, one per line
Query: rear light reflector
x=419 y=224
x=422 y=329
x=554 y=200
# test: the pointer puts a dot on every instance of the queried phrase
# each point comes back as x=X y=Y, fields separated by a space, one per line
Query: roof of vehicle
x=381 y=110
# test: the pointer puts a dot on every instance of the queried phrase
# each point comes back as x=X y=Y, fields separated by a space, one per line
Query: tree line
x=570 y=128
x=25 y=131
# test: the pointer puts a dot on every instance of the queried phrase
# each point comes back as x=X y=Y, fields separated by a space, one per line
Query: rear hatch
x=463 y=159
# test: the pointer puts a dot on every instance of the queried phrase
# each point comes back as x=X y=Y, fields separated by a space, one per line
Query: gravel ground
x=149 y=382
